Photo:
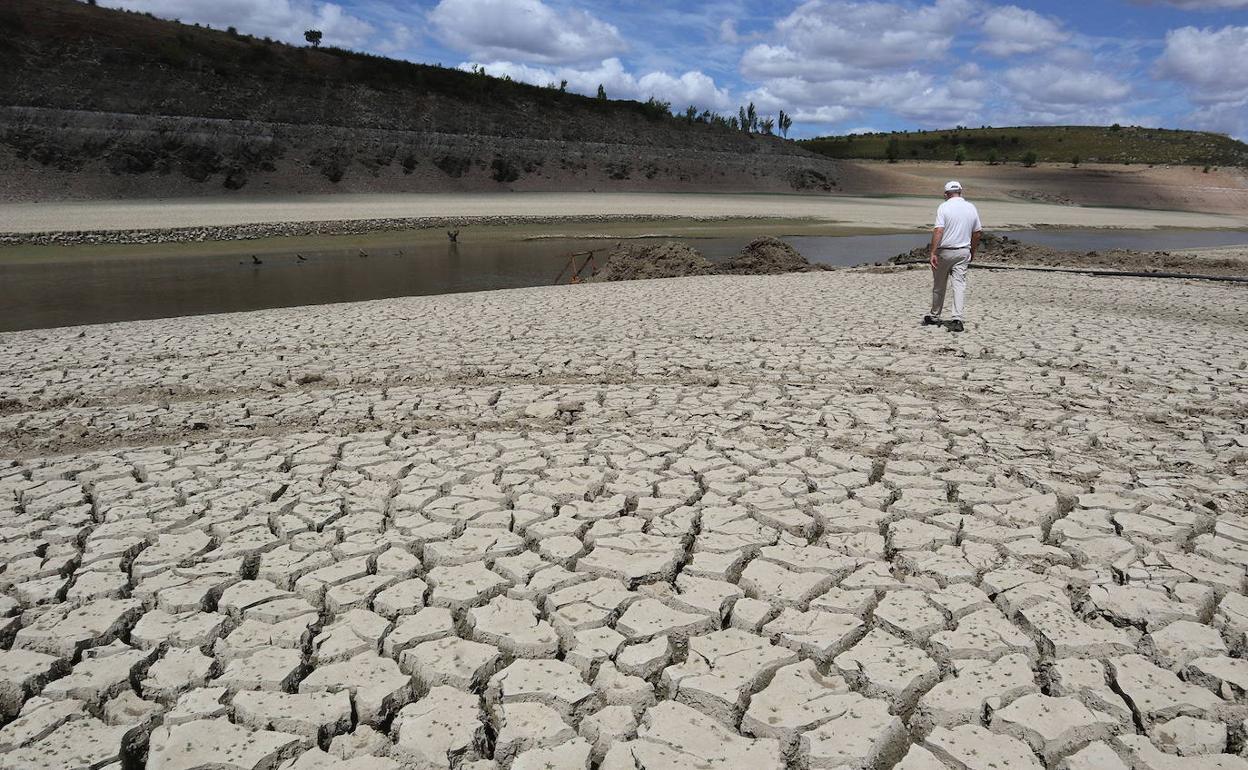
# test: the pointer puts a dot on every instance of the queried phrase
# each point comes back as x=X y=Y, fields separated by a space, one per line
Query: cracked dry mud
x=737 y=522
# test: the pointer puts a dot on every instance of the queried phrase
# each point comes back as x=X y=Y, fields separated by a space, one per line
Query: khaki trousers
x=950 y=263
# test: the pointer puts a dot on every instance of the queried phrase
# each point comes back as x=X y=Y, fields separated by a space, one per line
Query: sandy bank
x=900 y=212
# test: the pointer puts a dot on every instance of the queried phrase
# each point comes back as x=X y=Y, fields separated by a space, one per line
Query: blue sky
x=834 y=65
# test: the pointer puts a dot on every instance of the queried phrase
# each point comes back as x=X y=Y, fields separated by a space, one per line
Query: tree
x=785 y=122
x=1074 y=162
x=656 y=108
x=563 y=85
x=1029 y=159
x=602 y=92
x=767 y=124
x=892 y=150
x=959 y=155
x=743 y=122
x=992 y=157
x=313 y=36
x=752 y=115
x=691 y=114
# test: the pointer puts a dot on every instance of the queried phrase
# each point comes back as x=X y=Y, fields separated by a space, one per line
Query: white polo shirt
x=960 y=218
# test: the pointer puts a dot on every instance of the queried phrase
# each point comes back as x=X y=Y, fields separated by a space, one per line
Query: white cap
x=954 y=186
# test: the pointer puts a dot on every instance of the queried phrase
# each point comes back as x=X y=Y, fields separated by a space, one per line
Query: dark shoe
x=929 y=320
x=955 y=326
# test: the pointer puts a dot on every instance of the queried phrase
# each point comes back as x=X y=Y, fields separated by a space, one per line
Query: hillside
x=100 y=102
x=1050 y=144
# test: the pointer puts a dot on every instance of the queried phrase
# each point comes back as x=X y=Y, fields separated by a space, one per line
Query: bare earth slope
x=1177 y=188
x=170 y=109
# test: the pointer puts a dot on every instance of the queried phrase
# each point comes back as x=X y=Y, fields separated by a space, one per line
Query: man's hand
x=937 y=235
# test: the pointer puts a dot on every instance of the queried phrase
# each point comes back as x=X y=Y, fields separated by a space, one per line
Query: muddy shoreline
x=248 y=232
x=1003 y=251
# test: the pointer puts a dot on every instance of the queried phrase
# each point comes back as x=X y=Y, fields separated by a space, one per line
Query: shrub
x=409 y=163
x=959 y=155
x=132 y=159
x=655 y=109
x=453 y=166
x=1029 y=159
x=992 y=158
x=892 y=150
x=198 y=162
x=235 y=178
x=1075 y=161
x=332 y=163
x=618 y=170
x=502 y=171
x=333 y=170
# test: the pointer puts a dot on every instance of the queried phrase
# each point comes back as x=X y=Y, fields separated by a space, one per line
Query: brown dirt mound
x=1003 y=250
x=768 y=256
x=668 y=259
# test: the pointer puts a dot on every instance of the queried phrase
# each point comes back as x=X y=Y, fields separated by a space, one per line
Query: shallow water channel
x=86 y=290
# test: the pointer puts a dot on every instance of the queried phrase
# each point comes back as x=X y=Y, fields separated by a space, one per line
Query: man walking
x=954 y=242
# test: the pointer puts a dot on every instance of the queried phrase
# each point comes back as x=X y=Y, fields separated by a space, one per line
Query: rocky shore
x=242 y=232
x=998 y=250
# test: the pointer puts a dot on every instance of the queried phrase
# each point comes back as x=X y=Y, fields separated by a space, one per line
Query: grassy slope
x=1054 y=144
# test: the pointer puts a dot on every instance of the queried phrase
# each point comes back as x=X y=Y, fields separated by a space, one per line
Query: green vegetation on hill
x=1045 y=144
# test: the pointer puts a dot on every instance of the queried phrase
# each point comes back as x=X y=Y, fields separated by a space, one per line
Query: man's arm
x=937 y=234
x=975 y=242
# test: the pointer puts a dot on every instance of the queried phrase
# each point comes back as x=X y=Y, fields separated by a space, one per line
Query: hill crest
x=1040 y=144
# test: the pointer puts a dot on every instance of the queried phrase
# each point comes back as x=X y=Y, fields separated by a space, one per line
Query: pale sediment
x=764 y=522
x=328 y=214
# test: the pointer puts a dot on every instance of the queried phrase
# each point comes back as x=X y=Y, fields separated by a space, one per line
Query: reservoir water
x=64 y=291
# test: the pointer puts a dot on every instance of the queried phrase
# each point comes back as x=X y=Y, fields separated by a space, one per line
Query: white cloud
x=912 y=95
x=1063 y=88
x=872 y=34
x=1010 y=31
x=280 y=19
x=397 y=42
x=1204 y=61
x=1228 y=118
x=829 y=61
x=524 y=30
x=692 y=87
x=765 y=61
x=825 y=114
